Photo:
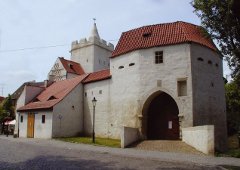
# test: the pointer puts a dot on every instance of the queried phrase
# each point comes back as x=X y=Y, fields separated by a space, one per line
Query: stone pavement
x=166 y=146
x=134 y=153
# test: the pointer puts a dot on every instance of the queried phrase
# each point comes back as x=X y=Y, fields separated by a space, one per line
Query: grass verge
x=115 y=143
x=233 y=145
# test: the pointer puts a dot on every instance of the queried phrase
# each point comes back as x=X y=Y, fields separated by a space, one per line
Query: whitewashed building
x=161 y=82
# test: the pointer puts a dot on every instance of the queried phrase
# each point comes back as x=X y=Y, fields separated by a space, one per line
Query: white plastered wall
x=68 y=114
x=131 y=84
x=101 y=91
x=208 y=91
x=43 y=130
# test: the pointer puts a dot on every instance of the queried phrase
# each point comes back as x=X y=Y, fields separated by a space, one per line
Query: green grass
x=233 y=148
x=115 y=143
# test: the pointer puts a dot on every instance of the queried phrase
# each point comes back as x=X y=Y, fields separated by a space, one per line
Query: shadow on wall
x=53 y=162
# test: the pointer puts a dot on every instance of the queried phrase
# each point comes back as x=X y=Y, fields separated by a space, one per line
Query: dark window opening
x=85 y=94
x=216 y=64
x=21 y=118
x=43 y=118
x=158 y=57
x=120 y=67
x=209 y=62
x=131 y=64
x=200 y=59
x=100 y=91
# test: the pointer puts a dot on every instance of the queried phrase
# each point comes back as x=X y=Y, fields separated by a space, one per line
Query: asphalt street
x=51 y=154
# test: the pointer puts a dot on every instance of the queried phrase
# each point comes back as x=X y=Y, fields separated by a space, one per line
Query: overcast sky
x=42 y=23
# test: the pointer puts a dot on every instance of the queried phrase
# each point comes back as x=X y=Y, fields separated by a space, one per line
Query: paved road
x=52 y=154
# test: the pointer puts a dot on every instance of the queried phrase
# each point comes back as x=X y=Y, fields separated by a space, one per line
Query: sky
x=34 y=33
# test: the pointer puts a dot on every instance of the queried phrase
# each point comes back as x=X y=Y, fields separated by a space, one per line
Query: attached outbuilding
x=55 y=112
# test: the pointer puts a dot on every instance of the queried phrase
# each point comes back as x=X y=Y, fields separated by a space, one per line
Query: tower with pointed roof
x=93 y=53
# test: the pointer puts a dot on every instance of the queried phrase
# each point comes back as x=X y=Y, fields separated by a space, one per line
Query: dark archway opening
x=162 y=118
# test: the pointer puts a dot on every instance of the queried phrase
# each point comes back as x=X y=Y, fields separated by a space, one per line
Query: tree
x=233 y=106
x=221 y=18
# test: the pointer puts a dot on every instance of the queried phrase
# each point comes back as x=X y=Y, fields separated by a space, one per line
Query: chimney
x=45 y=83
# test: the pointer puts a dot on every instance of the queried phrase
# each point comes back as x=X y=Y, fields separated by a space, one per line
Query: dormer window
x=146 y=34
x=52 y=98
x=70 y=66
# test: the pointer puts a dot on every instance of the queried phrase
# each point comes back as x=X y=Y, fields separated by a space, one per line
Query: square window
x=158 y=57
x=182 y=87
x=43 y=118
x=100 y=91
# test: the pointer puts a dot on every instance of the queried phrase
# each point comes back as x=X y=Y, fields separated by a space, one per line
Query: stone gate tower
x=93 y=53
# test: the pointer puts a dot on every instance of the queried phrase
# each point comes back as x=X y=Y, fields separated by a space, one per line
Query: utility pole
x=2 y=87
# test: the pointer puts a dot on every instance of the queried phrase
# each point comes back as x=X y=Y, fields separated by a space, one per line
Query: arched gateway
x=160 y=117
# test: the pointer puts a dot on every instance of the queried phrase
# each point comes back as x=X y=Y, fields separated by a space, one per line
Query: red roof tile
x=161 y=35
x=53 y=94
x=97 y=76
x=71 y=66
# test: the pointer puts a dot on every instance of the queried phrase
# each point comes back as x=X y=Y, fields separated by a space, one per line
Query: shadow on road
x=53 y=162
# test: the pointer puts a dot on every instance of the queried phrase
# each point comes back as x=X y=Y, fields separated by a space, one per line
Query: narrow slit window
x=120 y=67
x=21 y=118
x=43 y=118
x=131 y=64
x=158 y=57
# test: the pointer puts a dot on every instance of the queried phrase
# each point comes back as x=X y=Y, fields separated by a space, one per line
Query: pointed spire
x=94 y=32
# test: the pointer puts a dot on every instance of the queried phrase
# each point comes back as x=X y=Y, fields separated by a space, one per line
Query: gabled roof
x=53 y=94
x=18 y=92
x=71 y=66
x=97 y=76
x=161 y=35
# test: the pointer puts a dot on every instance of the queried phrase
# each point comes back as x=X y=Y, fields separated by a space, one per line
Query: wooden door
x=30 y=125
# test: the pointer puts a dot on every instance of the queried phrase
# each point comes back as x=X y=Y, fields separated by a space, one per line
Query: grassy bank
x=115 y=143
x=233 y=147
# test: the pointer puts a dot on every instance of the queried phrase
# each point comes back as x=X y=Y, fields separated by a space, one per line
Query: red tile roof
x=71 y=66
x=53 y=94
x=97 y=76
x=161 y=35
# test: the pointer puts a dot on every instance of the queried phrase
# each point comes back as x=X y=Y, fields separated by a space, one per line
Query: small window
x=158 y=57
x=100 y=91
x=85 y=94
x=182 y=87
x=120 y=67
x=21 y=118
x=200 y=59
x=43 y=118
x=210 y=62
x=216 y=64
x=131 y=64
x=87 y=60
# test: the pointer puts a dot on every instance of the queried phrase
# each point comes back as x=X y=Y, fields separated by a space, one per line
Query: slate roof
x=161 y=35
x=97 y=76
x=71 y=66
x=53 y=94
